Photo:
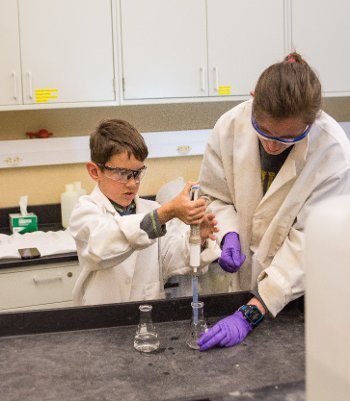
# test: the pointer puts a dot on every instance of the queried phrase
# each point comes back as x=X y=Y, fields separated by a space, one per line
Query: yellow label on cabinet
x=44 y=95
x=224 y=90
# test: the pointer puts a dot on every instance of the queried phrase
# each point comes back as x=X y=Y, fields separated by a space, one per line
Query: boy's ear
x=93 y=170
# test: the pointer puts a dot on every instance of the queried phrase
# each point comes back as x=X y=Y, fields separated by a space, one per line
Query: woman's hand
x=231 y=258
x=227 y=332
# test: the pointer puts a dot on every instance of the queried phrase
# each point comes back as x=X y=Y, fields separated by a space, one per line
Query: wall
x=45 y=184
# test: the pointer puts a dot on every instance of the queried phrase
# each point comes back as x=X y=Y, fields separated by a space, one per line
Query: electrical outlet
x=13 y=161
x=183 y=150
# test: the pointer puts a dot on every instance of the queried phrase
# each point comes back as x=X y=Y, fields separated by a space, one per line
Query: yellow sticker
x=224 y=90
x=44 y=95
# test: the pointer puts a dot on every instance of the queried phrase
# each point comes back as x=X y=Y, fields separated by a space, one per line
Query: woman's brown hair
x=288 y=89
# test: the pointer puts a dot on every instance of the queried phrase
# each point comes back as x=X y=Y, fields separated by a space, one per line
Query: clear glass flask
x=198 y=324
x=146 y=338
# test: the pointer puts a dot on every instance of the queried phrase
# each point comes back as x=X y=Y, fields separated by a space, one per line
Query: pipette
x=195 y=253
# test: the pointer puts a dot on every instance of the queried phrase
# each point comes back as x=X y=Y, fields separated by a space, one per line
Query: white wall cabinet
x=198 y=48
x=163 y=48
x=66 y=51
x=321 y=32
x=37 y=287
x=244 y=37
x=10 y=64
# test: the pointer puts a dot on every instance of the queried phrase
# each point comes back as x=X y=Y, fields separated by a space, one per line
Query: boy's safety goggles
x=123 y=175
x=289 y=140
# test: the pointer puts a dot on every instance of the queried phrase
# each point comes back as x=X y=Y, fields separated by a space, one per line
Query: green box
x=23 y=224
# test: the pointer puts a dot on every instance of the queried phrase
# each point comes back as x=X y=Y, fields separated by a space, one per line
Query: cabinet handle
x=14 y=77
x=216 y=78
x=202 y=71
x=30 y=86
x=38 y=280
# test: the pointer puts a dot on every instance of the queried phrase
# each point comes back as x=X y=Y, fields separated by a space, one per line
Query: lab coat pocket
x=154 y=290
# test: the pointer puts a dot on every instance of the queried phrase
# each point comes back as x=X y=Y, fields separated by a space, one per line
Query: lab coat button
x=128 y=281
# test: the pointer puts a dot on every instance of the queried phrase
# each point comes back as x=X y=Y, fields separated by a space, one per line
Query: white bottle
x=68 y=200
x=77 y=188
x=327 y=306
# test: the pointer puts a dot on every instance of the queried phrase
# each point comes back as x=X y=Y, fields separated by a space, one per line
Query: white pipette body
x=195 y=238
x=195 y=253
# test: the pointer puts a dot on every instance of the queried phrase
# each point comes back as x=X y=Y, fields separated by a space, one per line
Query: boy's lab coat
x=271 y=227
x=119 y=262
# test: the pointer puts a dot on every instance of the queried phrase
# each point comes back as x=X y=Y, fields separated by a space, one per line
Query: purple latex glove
x=231 y=258
x=231 y=330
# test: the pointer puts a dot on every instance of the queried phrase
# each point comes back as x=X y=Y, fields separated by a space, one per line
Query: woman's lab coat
x=271 y=227
x=118 y=261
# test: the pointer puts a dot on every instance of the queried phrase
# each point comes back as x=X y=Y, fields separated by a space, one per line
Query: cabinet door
x=244 y=38
x=37 y=285
x=163 y=48
x=67 y=52
x=320 y=33
x=10 y=69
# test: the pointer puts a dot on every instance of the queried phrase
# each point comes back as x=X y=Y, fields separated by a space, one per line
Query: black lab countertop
x=87 y=353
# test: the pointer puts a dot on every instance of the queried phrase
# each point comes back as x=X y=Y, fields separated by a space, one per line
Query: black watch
x=251 y=314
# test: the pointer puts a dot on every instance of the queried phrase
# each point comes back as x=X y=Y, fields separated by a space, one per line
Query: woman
x=267 y=163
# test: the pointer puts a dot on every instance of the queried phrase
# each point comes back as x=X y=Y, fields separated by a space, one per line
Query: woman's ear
x=252 y=93
x=93 y=170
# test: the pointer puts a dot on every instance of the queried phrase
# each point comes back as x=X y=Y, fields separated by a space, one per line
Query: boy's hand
x=208 y=227
x=190 y=212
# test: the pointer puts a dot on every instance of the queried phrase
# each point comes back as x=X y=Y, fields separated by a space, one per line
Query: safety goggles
x=268 y=137
x=123 y=175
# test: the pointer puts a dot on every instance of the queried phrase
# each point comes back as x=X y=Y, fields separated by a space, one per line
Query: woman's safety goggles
x=123 y=175
x=289 y=140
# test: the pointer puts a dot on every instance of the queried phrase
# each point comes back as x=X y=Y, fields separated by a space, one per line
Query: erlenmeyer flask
x=198 y=324
x=146 y=338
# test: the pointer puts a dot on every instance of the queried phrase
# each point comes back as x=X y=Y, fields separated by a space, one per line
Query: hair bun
x=294 y=58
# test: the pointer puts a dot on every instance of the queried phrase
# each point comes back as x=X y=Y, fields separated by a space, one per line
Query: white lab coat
x=271 y=226
x=119 y=262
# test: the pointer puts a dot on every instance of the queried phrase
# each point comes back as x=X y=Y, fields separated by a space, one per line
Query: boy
x=124 y=249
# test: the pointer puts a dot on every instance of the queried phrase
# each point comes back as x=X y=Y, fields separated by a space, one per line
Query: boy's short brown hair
x=113 y=137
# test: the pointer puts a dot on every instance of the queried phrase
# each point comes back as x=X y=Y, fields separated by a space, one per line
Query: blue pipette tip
x=195 y=297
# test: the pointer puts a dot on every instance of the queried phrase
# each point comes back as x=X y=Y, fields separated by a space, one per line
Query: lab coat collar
x=103 y=200
x=249 y=198
x=246 y=166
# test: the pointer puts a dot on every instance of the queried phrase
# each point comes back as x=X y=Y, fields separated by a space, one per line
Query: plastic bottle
x=327 y=231
x=68 y=200
x=169 y=190
x=77 y=188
